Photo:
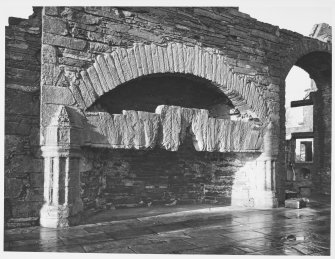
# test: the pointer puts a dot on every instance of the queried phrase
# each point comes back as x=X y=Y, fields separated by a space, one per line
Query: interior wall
x=133 y=178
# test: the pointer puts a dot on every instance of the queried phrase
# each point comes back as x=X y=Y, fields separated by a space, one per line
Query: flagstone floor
x=215 y=230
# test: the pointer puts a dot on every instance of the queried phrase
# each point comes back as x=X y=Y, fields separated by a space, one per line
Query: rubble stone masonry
x=23 y=174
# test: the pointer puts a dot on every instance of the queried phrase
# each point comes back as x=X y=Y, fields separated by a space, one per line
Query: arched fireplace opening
x=148 y=92
x=167 y=176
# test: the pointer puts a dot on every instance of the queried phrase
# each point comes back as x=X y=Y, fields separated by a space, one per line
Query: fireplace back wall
x=133 y=178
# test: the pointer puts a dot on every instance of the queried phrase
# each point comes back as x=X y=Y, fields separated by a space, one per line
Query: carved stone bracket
x=61 y=154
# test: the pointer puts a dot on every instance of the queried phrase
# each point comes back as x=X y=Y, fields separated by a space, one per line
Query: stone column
x=265 y=194
x=61 y=154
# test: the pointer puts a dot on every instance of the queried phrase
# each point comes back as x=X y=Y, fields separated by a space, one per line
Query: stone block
x=75 y=90
x=13 y=187
x=295 y=203
x=94 y=78
x=14 y=145
x=108 y=77
x=57 y=95
x=118 y=66
x=54 y=25
x=21 y=164
x=21 y=128
x=132 y=62
x=67 y=42
x=171 y=126
x=199 y=129
x=51 y=10
x=103 y=82
x=24 y=209
x=150 y=124
x=29 y=103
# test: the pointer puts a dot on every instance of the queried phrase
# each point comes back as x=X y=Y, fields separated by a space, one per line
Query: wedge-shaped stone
x=112 y=69
x=253 y=96
x=77 y=96
x=196 y=60
x=143 y=60
x=245 y=89
x=170 y=58
x=180 y=57
x=185 y=56
x=101 y=76
x=203 y=63
x=214 y=67
x=149 y=59
x=93 y=75
x=162 y=67
x=132 y=62
x=189 y=62
x=155 y=58
x=230 y=81
x=238 y=85
x=219 y=70
x=108 y=77
x=138 y=59
x=209 y=68
x=225 y=73
x=87 y=98
x=166 y=60
x=118 y=66
x=89 y=87
x=123 y=57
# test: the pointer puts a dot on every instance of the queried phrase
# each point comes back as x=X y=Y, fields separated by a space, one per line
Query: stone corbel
x=61 y=154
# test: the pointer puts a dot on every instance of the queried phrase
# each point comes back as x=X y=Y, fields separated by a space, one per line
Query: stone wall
x=23 y=163
x=81 y=44
x=130 y=178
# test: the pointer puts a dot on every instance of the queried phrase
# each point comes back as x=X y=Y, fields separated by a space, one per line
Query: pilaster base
x=53 y=216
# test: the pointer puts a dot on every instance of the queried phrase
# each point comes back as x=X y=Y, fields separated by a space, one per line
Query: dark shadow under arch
x=318 y=65
x=147 y=92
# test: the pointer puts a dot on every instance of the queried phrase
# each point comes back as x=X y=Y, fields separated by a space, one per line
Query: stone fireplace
x=153 y=125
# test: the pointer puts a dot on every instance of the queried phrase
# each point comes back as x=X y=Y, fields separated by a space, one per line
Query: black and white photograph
x=166 y=128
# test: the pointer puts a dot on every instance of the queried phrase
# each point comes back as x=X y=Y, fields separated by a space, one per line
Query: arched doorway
x=309 y=143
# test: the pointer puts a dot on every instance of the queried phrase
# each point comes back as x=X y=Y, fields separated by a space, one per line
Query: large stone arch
x=301 y=49
x=314 y=56
x=122 y=65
